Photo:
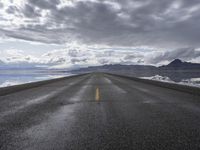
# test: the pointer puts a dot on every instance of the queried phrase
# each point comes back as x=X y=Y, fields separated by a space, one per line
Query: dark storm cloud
x=1 y=5
x=158 y=23
x=12 y=9
x=76 y=60
x=33 y=36
x=30 y=12
x=44 y=4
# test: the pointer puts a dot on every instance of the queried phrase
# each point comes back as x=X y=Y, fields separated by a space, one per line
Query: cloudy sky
x=76 y=33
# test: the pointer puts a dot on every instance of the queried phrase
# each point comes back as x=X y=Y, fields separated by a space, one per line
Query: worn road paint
x=97 y=95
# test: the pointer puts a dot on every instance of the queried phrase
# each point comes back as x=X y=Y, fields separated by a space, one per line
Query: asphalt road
x=99 y=112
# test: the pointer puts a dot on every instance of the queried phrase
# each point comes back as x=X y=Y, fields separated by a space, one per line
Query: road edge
x=21 y=87
x=173 y=86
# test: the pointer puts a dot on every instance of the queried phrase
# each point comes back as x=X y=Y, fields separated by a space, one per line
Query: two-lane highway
x=99 y=112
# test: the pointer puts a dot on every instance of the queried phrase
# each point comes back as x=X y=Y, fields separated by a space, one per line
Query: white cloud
x=74 y=56
x=13 y=56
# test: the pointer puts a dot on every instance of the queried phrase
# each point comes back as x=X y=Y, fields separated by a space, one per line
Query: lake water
x=15 y=77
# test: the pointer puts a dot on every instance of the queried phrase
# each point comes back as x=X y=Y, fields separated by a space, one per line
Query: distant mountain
x=180 y=65
x=117 y=67
x=176 y=64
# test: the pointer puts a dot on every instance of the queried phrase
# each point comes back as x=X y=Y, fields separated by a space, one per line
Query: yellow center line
x=97 y=95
